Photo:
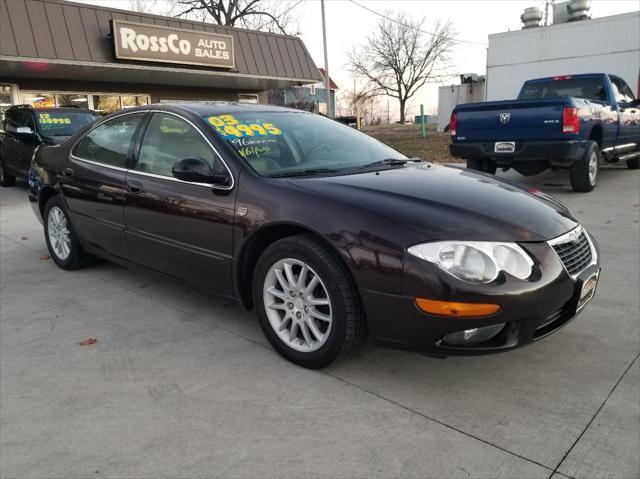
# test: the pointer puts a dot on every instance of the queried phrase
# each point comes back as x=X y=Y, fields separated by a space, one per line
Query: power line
x=455 y=40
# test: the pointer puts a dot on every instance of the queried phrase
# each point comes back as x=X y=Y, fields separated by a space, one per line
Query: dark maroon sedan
x=328 y=233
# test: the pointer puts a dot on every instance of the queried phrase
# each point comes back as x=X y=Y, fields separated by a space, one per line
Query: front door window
x=168 y=139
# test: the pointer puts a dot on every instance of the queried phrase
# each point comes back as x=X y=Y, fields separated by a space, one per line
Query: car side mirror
x=196 y=170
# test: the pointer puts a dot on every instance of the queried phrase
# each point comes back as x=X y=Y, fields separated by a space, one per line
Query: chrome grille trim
x=575 y=250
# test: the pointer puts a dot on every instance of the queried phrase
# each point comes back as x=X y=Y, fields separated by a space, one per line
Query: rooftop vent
x=531 y=17
x=571 y=11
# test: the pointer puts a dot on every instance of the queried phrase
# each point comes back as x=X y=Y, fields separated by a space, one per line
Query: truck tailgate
x=513 y=120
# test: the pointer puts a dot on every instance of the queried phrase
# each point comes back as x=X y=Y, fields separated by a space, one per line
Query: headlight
x=476 y=261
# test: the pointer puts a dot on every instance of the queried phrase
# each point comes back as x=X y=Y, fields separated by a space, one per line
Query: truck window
x=621 y=90
x=587 y=88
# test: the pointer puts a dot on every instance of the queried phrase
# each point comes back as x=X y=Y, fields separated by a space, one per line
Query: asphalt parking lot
x=183 y=385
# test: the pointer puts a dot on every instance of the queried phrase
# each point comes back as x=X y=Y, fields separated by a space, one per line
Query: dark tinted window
x=109 y=143
x=57 y=123
x=587 y=88
x=167 y=139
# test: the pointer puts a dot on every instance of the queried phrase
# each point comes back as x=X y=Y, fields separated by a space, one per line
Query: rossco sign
x=153 y=43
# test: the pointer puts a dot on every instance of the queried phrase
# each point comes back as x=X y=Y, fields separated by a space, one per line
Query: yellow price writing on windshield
x=228 y=125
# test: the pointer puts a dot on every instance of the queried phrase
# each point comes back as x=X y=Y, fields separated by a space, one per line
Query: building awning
x=64 y=40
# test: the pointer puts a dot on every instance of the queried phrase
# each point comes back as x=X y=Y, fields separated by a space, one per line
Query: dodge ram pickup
x=570 y=121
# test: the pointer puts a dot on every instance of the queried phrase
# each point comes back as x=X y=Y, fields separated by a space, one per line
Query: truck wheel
x=484 y=165
x=5 y=178
x=584 y=172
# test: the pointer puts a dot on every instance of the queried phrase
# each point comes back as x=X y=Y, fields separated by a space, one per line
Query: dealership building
x=58 y=53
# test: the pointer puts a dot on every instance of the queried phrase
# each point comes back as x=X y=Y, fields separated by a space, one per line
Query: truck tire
x=583 y=173
x=5 y=178
x=484 y=165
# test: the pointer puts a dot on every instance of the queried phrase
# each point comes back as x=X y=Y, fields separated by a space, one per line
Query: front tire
x=62 y=242
x=5 y=178
x=306 y=302
x=485 y=165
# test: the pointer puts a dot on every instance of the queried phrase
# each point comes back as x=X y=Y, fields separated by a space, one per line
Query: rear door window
x=109 y=143
x=587 y=88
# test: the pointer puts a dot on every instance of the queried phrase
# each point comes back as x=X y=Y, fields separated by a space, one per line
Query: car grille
x=575 y=255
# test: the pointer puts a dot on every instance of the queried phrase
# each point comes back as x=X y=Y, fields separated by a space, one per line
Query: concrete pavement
x=182 y=385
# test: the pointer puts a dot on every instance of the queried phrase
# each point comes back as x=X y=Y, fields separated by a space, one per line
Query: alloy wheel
x=297 y=305
x=593 y=168
x=58 y=230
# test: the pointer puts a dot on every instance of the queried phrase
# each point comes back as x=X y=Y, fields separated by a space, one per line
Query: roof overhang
x=21 y=67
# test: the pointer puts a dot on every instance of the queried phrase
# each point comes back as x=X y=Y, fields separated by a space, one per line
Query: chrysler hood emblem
x=504 y=118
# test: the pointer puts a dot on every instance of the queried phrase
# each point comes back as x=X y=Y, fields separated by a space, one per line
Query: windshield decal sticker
x=47 y=121
x=229 y=127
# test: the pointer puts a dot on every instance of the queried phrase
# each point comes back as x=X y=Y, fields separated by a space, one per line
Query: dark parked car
x=24 y=129
x=328 y=233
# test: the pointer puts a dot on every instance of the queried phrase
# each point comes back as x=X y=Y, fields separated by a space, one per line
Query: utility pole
x=326 y=63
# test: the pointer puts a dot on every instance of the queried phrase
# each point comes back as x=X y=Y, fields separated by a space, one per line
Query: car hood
x=450 y=203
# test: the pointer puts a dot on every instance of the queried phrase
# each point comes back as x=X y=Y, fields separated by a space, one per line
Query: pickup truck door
x=628 y=114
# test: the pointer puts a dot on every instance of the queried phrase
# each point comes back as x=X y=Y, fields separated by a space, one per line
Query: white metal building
x=607 y=44
x=470 y=90
x=600 y=45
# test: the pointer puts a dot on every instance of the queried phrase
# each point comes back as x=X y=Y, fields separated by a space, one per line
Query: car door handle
x=68 y=172
x=134 y=186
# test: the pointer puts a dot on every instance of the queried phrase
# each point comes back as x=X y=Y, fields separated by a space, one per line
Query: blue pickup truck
x=570 y=121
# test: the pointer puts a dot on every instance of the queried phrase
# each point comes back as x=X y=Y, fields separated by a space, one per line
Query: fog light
x=473 y=336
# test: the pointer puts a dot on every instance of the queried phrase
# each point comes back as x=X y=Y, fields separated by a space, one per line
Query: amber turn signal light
x=456 y=310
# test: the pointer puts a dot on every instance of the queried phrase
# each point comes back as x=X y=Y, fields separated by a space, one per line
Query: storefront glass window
x=39 y=100
x=5 y=99
x=106 y=103
x=137 y=100
x=72 y=99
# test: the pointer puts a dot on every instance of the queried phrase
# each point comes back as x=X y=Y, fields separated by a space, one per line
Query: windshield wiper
x=389 y=162
x=307 y=172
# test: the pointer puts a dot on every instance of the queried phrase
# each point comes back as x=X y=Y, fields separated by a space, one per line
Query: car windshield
x=286 y=143
x=588 y=88
x=63 y=123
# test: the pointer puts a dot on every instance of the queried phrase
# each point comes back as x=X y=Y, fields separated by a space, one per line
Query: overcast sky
x=348 y=25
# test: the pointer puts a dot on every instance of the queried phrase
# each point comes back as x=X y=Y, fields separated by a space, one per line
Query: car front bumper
x=557 y=153
x=530 y=310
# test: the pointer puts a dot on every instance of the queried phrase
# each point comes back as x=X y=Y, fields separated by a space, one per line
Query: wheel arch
x=262 y=239
x=45 y=193
x=596 y=134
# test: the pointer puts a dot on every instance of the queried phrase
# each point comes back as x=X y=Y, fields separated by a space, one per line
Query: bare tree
x=150 y=6
x=399 y=57
x=264 y=15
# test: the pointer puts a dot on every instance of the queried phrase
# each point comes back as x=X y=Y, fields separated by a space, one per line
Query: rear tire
x=325 y=318
x=584 y=172
x=485 y=165
x=62 y=242
x=5 y=178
